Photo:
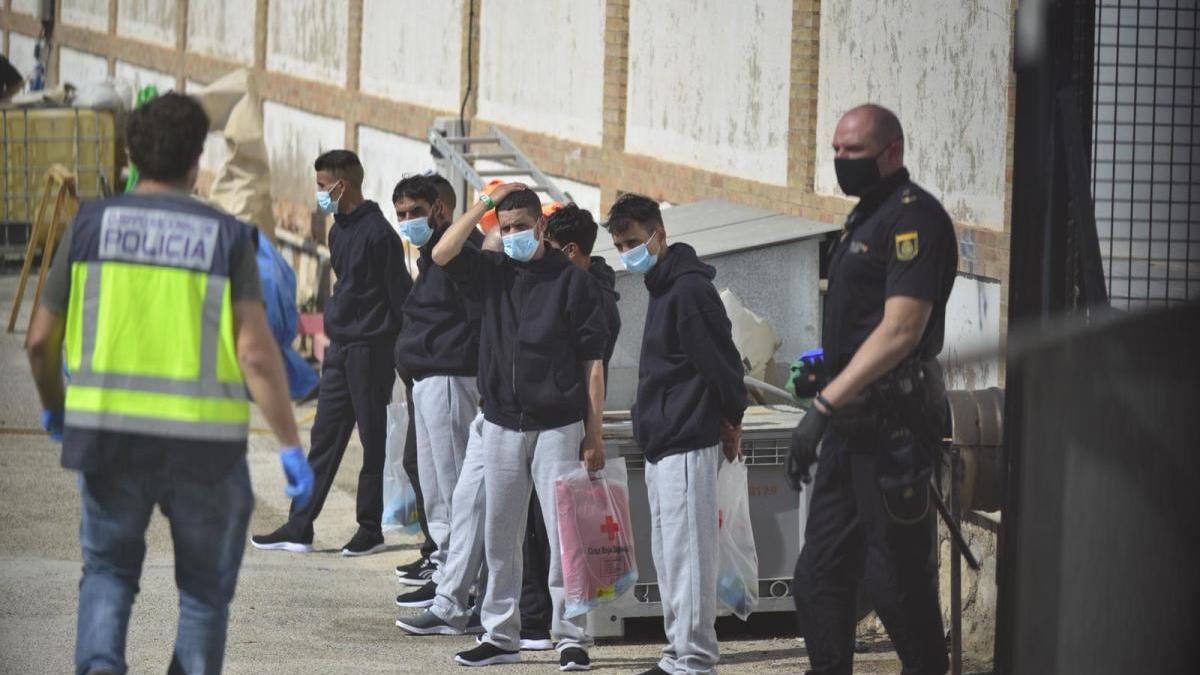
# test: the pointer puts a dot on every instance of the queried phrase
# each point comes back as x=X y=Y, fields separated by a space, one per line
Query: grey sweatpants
x=464 y=559
x=683 y=539
x=444 y=406
x=514 y=462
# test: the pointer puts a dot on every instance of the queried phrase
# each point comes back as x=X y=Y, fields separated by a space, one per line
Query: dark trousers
x=850 y=537
x=410 y=468
x=536 y=606
x=356 y=386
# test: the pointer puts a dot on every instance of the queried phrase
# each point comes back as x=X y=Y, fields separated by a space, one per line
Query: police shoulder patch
x=907 y=245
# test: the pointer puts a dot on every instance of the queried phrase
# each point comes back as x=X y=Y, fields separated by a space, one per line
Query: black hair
x=521 y=199
x=342 y=164
x=10 y=77
x=630 y=208
x=165 y=136
x=573 y=225
x=445 y=191
x=416 y=186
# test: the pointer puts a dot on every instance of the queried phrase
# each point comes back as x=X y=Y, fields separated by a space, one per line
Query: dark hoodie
x=372 y=280
x=440 y=335
x=541 y=321
x=690 y=374
x=606 y=281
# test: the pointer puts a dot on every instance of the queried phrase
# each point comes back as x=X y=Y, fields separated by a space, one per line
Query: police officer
x=156 y=298
x=878 y=419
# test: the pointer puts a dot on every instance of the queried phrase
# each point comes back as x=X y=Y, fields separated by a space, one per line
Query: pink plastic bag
x=595 y=536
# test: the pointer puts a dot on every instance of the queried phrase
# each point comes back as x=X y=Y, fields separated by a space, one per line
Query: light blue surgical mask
x=639 y=259
x=416 y=231
x=326 y=202
x=520 y=246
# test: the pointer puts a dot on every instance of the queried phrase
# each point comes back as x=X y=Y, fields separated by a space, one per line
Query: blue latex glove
x=299 y=475
x=52 y=422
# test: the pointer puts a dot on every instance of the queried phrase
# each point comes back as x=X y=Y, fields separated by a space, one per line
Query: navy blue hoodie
x=541 y=321
x=440 y=335
x=690 y=373
x=372 y=279
x=606 y=281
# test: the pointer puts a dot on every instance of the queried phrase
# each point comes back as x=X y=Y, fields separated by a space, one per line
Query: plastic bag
x=399 y=499
x=737 y=576
x=595 y=536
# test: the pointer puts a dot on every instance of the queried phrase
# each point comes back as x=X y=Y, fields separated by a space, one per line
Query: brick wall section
x=984 y=252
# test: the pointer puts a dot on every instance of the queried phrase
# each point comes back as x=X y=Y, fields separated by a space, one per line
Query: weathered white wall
x=411 y=51
x=147 y=20
x=86 y=13
x=79 y=67
x=307 y=38
x=943 y=67
x=139 y=77
x=294 y=139
x=541 y=66
x=20 y=53
x=708 y=84
x=386 y=158
x=25 y=6
x=222 y=28
x=972 y=327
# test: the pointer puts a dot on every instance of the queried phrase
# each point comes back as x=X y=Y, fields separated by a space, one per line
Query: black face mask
x=857 y=176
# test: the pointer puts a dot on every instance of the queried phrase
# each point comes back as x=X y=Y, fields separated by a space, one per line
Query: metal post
x=955 y=571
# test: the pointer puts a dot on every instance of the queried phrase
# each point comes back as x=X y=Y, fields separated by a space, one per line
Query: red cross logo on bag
x=610 y=527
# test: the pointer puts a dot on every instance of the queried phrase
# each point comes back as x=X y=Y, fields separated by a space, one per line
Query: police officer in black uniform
x=878 y=419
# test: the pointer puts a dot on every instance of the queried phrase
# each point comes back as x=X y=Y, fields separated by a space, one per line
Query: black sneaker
x=426 y=623
x=281 y=540
x=536 y=640
x=422 y=597
x=486 y=654
x=574 y=658
x=416 y=573
x=363 y=543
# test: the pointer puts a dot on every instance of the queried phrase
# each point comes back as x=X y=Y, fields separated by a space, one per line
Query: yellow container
x=32 y=139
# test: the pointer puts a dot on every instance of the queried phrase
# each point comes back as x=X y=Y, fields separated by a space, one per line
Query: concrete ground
x=314 y=613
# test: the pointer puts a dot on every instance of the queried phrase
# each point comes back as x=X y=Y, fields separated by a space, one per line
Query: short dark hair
x=631 y=207
x=341 y=164
x=521 y=199
x=887 y=124
x=445 y=191
x=165 y=136
x=415 y=186
x=573 y=225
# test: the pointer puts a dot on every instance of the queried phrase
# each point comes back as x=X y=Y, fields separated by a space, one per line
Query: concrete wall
x=411 y=51
x=294 y=139
x=20 y=53
x=25 y=6
x=972 y=326
x=147 y=20
x=79 y=67
x=138 y=77
x=943 y=67
x=307 y=38
x=708 y=85
x=541 y=66
x=222 y=28
x=86 y=13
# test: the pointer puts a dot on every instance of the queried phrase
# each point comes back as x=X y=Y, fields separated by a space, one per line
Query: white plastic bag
x=399 y=499
x=595 y=535
x=737 y=576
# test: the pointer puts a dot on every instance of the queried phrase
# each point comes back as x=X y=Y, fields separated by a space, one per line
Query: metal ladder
x=455 y=150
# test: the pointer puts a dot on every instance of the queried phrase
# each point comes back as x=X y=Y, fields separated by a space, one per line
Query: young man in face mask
x=362 y=319
x=542 y=341
x=688 y=414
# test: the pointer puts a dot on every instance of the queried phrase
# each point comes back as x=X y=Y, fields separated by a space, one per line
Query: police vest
x=149 y=327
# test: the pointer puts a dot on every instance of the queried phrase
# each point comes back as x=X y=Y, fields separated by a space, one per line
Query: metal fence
x=1146 y=150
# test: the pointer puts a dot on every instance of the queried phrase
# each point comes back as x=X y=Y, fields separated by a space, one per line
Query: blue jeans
x=208 y=527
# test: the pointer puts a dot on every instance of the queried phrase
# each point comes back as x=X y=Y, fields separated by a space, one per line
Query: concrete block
x=79 y=67
x=223 y=28
x=307 y=38
x=387 y=158
x=91 y=14
x=541 y=67
x=412 y=51
x=294 y=139
x=20 y=53
x=708 y=85
x=147 y=20
x=972 y=326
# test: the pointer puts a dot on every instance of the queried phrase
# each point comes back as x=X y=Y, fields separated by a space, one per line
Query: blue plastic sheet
x=279 y=293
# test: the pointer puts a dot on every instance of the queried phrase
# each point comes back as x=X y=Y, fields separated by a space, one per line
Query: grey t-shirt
x=244 y=282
